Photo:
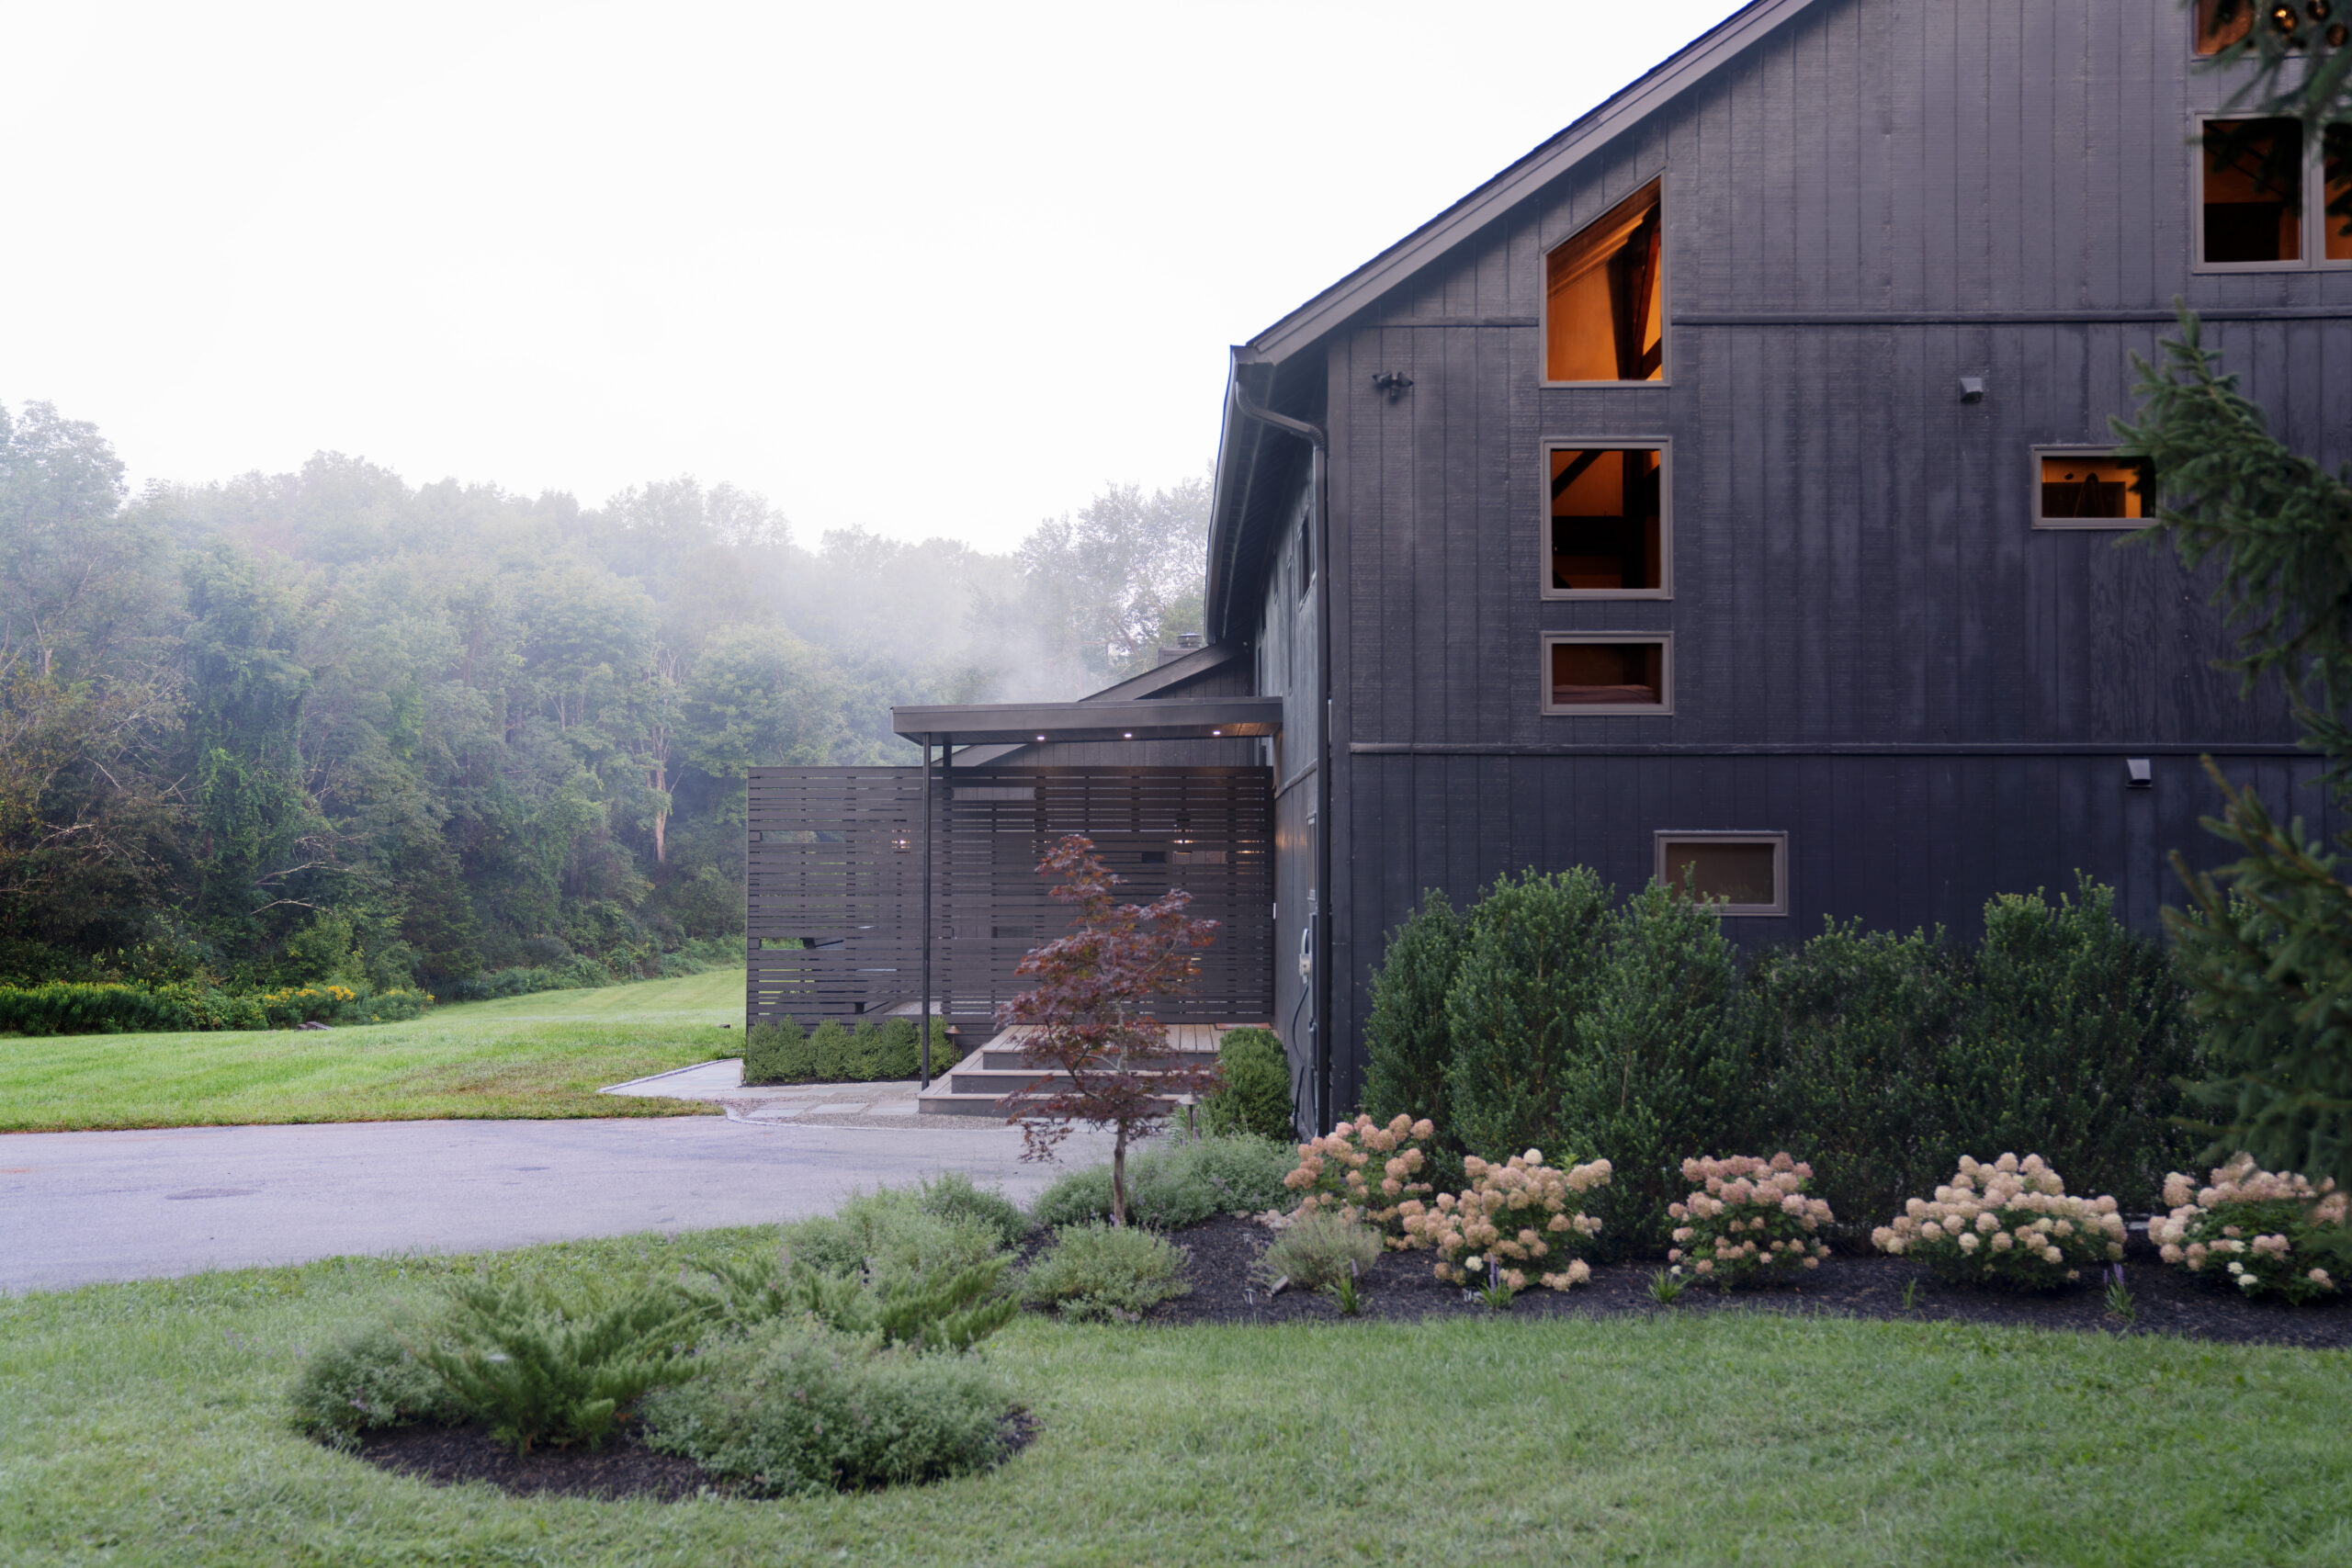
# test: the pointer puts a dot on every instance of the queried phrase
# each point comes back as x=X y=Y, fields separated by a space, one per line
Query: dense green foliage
x=1407 y=1042
x=541 y=1365
x=778 y=1051
x=1880 y=1059
x=2267 y=941
x=791 y=1411
x=67 y=1006
x=1098 y=1270
x=1253 y=1096
x=891 y=1237
x=327 y=727
x=1173 y=1184
x=371 y=1377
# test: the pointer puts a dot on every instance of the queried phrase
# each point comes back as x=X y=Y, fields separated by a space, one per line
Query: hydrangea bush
x=1336 y=1172
x=2011 y=1223
x=1749 y=1215
x=2248 y=1226
x=1514 y=1215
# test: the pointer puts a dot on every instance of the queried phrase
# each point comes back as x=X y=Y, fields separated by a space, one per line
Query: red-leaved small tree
x=1110 y=1058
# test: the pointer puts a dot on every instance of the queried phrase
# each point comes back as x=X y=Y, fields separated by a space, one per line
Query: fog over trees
x=329 y=725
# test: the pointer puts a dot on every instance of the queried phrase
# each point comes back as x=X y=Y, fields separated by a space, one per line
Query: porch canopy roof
x=1156 y=718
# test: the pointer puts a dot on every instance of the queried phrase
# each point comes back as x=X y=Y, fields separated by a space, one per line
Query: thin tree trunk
x=1119 y=1178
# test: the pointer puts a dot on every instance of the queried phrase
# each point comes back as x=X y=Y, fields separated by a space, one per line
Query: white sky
x=927 y=268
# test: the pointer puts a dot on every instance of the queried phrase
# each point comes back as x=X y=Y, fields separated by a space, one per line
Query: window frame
x=2314 y=214
x=1662 y=708
x=1665 y=295
x=1777 y=909
x=2076 y=525
x=1661 y=445
x=2197 y=32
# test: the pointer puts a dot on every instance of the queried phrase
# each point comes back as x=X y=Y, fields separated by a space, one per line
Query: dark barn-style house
x=1723 y=491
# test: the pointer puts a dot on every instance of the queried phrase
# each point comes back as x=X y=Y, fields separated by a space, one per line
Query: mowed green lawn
x=142 y=1423
x=522 y=1056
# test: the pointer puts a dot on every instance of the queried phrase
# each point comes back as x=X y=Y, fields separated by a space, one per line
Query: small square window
x=1608 y=673
x=1740 y=874
x=2083 y=487
x=1606 y=522
x=2251 y=194
x=1604 y=316
x=2214 y=33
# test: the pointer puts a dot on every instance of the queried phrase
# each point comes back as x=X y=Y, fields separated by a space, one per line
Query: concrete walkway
x=81 y=1207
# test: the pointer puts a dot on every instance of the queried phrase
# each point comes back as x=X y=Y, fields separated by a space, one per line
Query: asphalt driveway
x=81 y=1207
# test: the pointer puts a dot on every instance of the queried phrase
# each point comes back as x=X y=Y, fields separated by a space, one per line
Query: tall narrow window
x=1604 y=316
x=1606 y=522
x=1740 y=874
x=2214 y=33
x=1604 y=673
x=2252 y=193
x=2336 y=205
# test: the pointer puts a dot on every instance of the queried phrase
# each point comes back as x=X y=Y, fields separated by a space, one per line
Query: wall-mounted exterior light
x=1972 y=389
x=1393 y=382
x=2142 y=771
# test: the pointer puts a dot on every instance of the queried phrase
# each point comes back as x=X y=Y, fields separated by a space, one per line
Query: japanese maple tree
x=1110 y=1062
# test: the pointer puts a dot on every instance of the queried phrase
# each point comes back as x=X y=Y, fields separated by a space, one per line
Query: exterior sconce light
x=1130 y=735
x=901 y=846
x=2142 y=773
x=1041 y=737
x=1216 y=732
x=1392 y=382
x=1972 y=389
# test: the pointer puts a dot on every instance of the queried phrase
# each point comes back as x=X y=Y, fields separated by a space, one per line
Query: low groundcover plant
x=2251 y=1226
x=1749 y=1215
x=1513 y=1214
x=2011 y=1223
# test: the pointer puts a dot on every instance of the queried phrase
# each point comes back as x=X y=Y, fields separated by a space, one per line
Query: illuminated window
x=1739 y=873
x=1606 y=523
x=2336 y=207
x=1603 y=315
x=1604 y=673
x=2214 y=33
x=2088 y=488
x=2252 y=193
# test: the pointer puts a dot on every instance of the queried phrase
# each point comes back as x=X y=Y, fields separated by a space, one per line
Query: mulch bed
x=1400 y=1286
x=624 y=1467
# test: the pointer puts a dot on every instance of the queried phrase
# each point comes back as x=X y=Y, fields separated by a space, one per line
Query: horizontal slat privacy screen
x=835 y=894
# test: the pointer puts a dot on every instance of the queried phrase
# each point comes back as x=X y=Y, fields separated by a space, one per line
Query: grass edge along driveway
x=143 y=1423
x=532 y=1057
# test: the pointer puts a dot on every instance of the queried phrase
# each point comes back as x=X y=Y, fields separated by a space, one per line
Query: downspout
x=1320 y=915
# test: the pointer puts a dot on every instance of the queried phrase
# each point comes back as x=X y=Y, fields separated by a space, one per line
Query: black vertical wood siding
x=1881 y=197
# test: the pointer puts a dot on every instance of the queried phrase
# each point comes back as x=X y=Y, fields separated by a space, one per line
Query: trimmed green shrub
x=777 y=1051
x=1174 y=1185
x=372 y=1377
x=1529 y=971
x=951 y=1195
x=2078 y=1045
x=541 y=1367
x=868 y=1058
x=1408 y=1043
x=1099 y=1270
x=1659 y=1066
x=1852 y=1032
x=793 y=1411
x=1256 y=1096
x=944 y=1312
x=828 y=1051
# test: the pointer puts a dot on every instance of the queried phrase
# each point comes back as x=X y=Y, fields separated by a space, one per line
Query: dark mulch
x=1401 y=1286
x=624 y=1467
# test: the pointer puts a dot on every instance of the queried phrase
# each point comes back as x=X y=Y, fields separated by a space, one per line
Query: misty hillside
x=329 y=725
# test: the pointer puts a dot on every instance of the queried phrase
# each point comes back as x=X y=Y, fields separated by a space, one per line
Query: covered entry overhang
x=1160 y=719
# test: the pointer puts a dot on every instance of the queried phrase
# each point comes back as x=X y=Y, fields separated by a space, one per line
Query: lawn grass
x=142 y=1423
x=536 y=1056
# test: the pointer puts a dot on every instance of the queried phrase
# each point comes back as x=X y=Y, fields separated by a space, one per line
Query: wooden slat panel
x=835 y=889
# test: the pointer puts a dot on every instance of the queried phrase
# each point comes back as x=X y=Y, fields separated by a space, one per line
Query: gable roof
x=1555 y=156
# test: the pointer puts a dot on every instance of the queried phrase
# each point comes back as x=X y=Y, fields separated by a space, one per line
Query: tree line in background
x=328 y=727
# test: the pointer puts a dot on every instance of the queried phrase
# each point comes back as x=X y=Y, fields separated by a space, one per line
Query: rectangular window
x=1741 y=874
x=1604 y=673
x=2214 y=33
x=2251 y=194
x=2335 y=194
x=1606 y=522
x=2075 y=488
x=1603 y=301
